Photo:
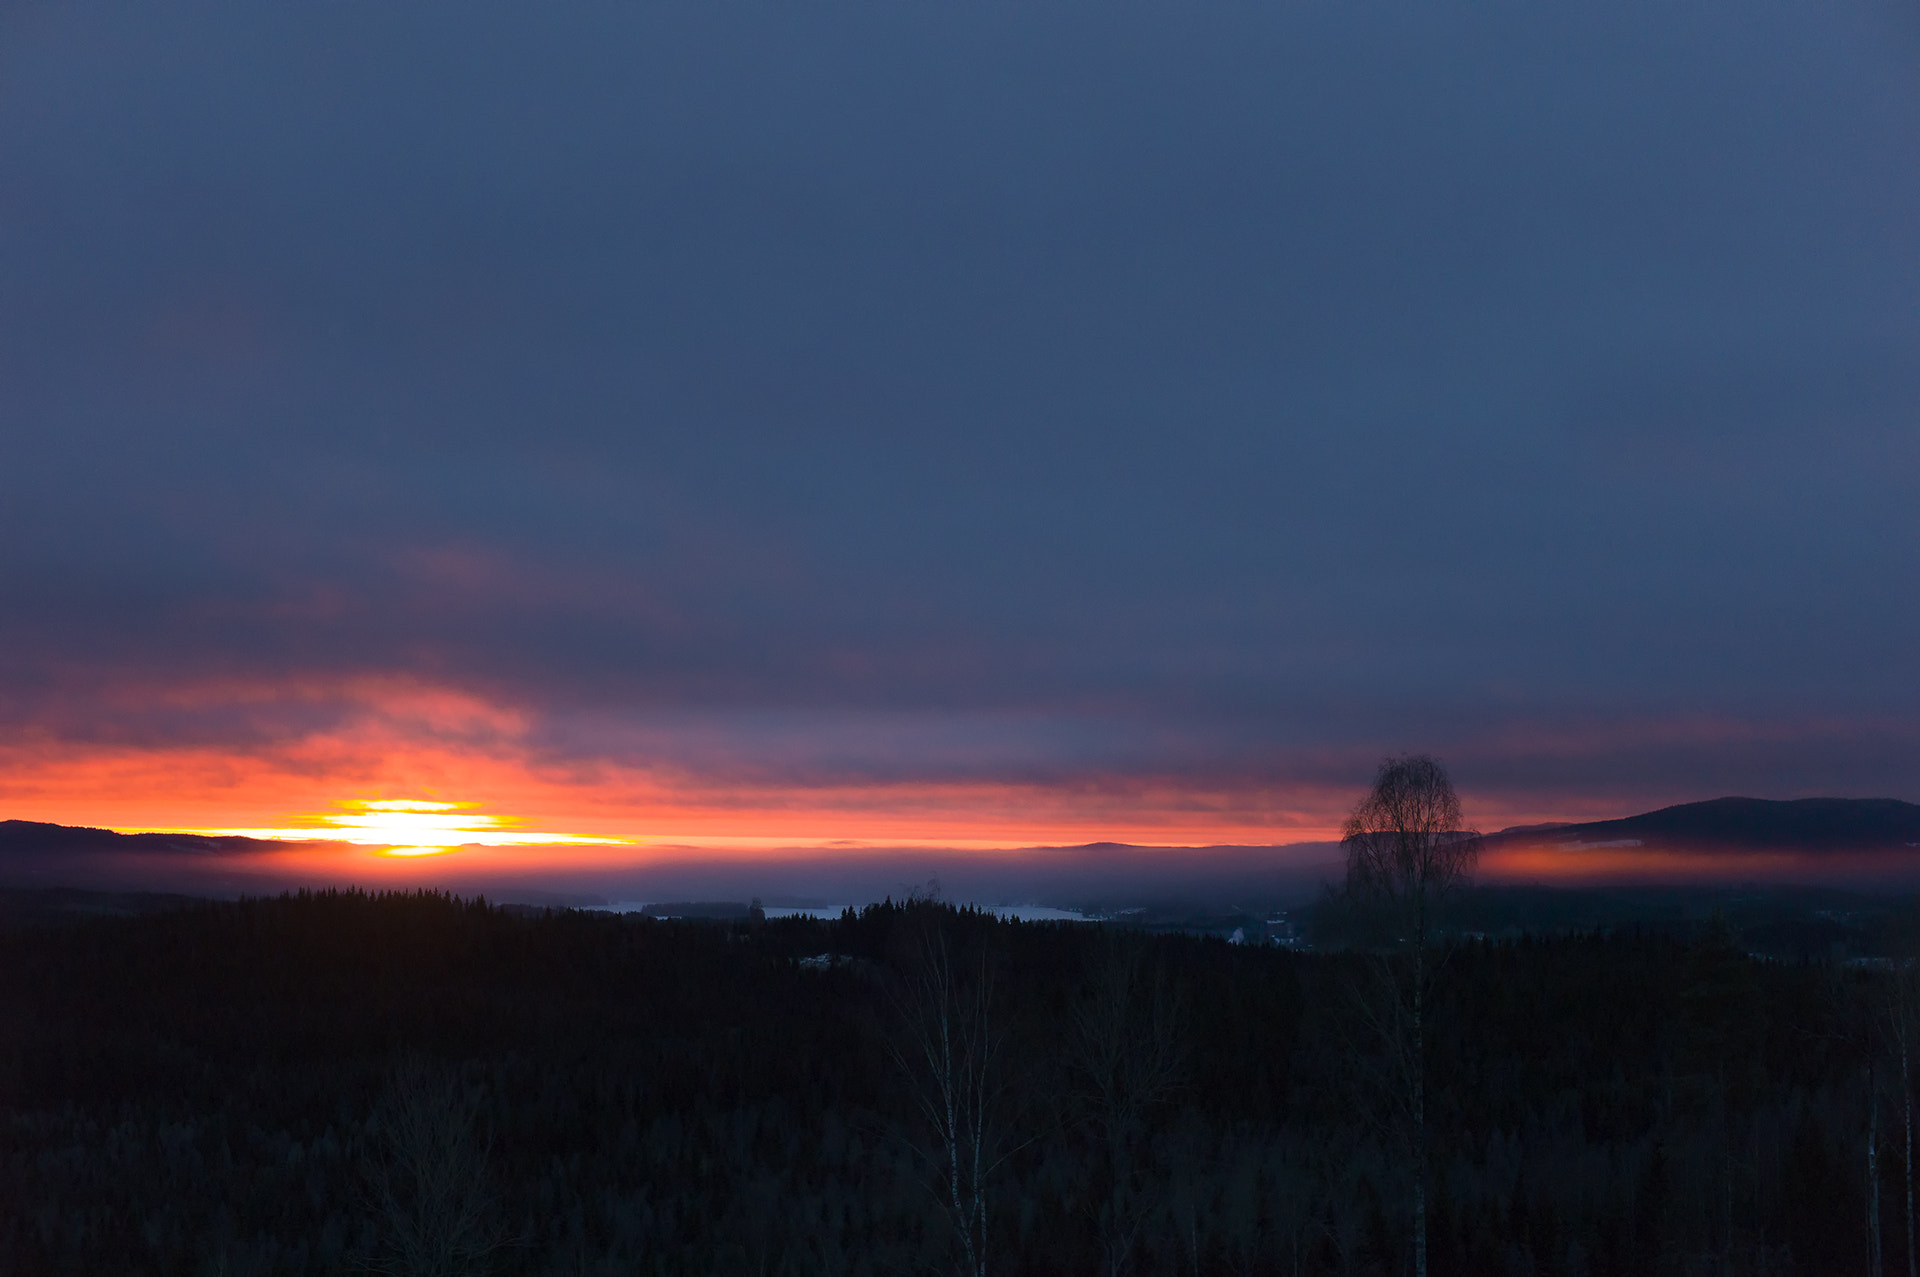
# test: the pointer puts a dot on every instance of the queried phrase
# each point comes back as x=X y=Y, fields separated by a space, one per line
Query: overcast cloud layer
x=1034 y=395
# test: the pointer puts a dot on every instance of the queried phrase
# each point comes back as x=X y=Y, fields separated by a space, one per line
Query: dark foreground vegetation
x=336 y=1083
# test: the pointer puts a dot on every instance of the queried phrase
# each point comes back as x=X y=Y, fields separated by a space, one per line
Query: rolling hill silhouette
x=33 y=837
x=1807 y=825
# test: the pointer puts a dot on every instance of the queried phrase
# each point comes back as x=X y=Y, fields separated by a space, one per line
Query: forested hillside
x=337 y=1082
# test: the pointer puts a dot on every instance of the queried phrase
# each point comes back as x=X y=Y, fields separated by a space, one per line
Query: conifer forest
x=341 y=1082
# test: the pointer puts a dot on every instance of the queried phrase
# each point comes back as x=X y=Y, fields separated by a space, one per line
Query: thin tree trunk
x=1420 y=1106
x=1906 y=1114
x=945 y=1050
x=1873 y=1176
x=1726 y=1200
x=1726 y=1172
x=1420 y=1228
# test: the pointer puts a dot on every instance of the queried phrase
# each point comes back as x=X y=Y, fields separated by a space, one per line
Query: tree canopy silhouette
x=1405 y=844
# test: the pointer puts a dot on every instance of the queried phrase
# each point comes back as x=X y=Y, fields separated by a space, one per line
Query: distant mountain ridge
x=39 y=837
x=1743 y=824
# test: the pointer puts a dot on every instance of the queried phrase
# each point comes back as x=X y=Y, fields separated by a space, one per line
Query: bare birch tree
x=429 y=1180
x=1406 y=850
x=947 y=1048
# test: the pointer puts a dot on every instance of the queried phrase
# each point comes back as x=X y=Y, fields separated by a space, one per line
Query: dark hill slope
x=1747 y=824
x=33 y=837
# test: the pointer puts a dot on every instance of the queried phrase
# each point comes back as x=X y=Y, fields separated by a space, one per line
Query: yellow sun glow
x=407 y=827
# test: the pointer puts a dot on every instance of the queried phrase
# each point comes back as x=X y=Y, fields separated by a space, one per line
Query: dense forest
x=338 y=1082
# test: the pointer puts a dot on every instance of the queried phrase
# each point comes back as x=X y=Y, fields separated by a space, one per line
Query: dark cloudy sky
x=1029 y=420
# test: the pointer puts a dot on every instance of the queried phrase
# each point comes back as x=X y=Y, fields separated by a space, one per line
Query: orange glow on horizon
x=410 y=827
x=395 y=745
x=1550 y=865
x=608 y=811
x=624 y=818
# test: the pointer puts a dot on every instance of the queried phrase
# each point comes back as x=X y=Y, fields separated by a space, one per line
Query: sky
x=745 y=426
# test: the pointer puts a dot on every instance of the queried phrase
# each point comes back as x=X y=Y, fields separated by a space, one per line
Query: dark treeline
x=338 y=1082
